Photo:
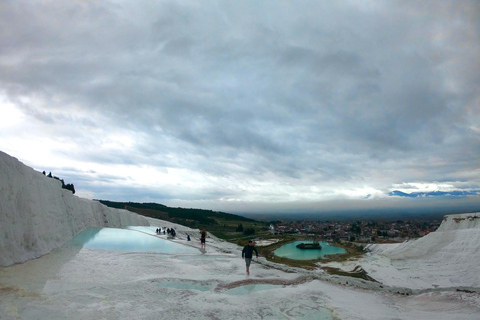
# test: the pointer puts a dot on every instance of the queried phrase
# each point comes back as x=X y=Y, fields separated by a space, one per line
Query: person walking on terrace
x=203 y=238
x=247 y=254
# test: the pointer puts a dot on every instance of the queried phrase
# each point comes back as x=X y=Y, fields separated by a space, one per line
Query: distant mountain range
x=435 y=194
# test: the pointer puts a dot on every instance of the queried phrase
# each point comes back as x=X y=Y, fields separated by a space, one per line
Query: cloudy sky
x=247 y=106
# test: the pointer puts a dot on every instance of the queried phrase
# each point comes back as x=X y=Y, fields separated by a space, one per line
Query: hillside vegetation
x=221 y=224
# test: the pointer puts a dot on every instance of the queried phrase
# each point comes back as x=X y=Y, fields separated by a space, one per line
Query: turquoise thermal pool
x=291 y=251
x=127 y=240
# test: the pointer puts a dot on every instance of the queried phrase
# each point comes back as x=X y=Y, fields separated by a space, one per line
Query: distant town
x=358 y=231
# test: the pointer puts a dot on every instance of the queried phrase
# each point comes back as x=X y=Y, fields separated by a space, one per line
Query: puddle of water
x=302 y=312
x=187 y=285
x=249 y=288
x=149 y=230
x=306 y=313
x=291 y=251
x=127 y=240
x=203 y=257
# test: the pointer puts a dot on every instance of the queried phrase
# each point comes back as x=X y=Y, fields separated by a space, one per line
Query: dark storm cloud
x=308 y=94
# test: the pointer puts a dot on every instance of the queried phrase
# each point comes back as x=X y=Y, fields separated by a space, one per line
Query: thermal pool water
x=291 y=251
x=132 y=239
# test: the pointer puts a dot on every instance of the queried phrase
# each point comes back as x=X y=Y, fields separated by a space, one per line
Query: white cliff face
x=461 y=221
x=456 y=234
x=448 y=257
x=37 y=215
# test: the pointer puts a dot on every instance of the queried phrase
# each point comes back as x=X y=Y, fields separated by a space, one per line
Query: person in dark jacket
x=247 y=254
x=203 y=238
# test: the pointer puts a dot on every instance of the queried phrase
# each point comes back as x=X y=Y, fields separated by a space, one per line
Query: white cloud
x=11 y=116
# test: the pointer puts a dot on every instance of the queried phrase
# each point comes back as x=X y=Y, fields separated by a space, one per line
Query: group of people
x=169 y=231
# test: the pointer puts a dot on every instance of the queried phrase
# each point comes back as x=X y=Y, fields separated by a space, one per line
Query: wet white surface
x=72 y=283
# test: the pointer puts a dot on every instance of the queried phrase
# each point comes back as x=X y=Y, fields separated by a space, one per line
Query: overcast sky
x=247 y=106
